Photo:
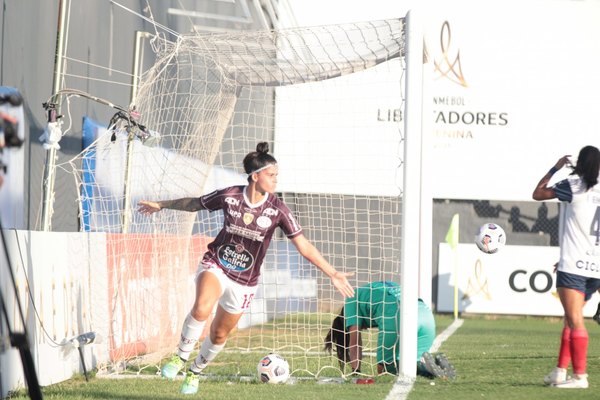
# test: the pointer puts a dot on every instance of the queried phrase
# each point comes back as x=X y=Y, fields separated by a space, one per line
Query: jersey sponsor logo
x=264 y=222
x=232 y=201
x=248 y=218
x=270 y=212
x=245 y=232
x=587 y=265
x=235 y=257
x=234 y=213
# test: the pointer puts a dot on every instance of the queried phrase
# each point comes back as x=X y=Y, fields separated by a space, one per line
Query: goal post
x=411 y=205
x=332 y=101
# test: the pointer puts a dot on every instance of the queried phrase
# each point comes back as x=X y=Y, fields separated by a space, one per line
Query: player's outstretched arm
x=185 y=204
x=148 y=207
x=310 y=252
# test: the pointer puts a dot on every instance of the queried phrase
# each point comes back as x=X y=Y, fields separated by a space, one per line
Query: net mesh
x=329 y=100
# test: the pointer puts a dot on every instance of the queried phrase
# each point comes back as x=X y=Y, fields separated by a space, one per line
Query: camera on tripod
x=9 y=128
x=9 y=125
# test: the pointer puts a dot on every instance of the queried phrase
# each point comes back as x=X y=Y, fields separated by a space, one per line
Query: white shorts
x=234 y=298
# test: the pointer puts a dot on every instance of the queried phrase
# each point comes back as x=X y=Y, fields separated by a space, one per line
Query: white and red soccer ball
x=490 y=238
x=273 y=368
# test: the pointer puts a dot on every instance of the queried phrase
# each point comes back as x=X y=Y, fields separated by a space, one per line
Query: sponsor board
x=518 y=280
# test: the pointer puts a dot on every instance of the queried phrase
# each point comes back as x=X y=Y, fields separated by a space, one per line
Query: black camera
x=9 y=125
x=9 y=129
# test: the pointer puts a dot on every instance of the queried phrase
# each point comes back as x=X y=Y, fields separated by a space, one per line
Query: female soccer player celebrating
x=578 y=272
x=230 y=268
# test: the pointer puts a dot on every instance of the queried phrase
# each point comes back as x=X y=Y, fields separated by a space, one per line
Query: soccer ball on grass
x=490 y=238
x=273 y=368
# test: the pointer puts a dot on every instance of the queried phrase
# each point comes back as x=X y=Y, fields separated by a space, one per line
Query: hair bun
x=262 y=147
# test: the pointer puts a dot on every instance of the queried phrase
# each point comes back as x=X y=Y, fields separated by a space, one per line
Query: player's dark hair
x=588 y=165
x=258 y=159
x=339 y=337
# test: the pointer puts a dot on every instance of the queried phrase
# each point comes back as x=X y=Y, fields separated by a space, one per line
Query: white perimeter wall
x=65 y=273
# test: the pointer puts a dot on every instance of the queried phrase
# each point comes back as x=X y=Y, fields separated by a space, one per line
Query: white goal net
x=329 y=100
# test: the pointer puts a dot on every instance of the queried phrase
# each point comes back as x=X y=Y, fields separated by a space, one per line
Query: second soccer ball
x=490 y=238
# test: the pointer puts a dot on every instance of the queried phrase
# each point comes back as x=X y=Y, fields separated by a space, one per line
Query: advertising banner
x=518 y=280
x=150 y=289
x=504 y=82
x=508 y=88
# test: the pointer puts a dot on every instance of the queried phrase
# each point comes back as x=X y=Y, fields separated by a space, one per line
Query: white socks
x=190 y=333
x=208 y=352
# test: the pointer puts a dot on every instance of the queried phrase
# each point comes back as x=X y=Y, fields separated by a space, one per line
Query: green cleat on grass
x=172 y=367
x=190 y=383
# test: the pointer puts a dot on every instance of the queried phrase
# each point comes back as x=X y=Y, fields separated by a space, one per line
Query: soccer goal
x=330 y=100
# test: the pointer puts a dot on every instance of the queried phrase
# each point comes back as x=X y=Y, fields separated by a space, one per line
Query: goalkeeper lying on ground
x=377 y=305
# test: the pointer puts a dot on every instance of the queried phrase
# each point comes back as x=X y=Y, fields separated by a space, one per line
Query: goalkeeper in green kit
x=377 y=305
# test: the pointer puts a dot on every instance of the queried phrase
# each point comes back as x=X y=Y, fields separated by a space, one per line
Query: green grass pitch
x=495 y=358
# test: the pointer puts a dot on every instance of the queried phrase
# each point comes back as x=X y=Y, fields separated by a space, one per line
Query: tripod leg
x=19 y=340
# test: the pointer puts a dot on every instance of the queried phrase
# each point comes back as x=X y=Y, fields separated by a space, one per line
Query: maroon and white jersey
x=240 y=247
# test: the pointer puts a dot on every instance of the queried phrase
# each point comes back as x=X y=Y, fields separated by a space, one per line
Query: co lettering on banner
x=539 y=281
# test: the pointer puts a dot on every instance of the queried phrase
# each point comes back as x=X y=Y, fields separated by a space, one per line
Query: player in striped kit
x=578 y=272
x=230 y=269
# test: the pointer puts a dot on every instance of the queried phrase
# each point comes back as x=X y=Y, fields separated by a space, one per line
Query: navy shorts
x=583 y=284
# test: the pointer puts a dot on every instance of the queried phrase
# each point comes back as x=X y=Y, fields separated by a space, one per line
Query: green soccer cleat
x=190 y=383
x=172 y=368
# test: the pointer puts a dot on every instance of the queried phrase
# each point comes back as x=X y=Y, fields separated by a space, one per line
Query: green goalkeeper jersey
x=377 y=305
